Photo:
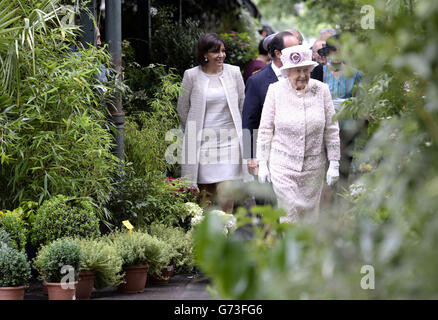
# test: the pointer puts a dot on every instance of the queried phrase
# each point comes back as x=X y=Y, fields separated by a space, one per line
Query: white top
x=277 y=71
x=217 y=113
x=220 y=150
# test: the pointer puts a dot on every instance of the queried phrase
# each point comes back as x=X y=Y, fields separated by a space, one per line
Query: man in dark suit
x=255 y=94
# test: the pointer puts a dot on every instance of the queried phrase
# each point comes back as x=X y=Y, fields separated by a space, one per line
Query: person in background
x=210 y=103
x=266 y=31
x=342 y=81
x=317 y=72
x=102 y=75
x=256 y=88
x=319 y=44
x=297 y=136
x=326 y=33
x=297 y=35
x=257 y=64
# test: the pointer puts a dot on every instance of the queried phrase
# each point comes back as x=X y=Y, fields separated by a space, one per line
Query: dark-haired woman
x=210 y=108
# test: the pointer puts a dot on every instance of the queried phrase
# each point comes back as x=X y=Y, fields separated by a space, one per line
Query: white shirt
x=277 y=71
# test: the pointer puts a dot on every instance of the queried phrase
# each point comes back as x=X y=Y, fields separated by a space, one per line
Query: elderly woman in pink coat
x=297 y=137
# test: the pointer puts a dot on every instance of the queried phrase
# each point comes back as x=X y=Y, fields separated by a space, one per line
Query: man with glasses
x=317 y=73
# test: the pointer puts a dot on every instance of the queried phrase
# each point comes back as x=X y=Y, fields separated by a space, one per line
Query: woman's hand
x=264 y=174
x=253 y=166
x=333 y=173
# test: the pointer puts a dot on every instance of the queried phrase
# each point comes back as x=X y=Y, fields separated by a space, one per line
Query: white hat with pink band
x=295 y=57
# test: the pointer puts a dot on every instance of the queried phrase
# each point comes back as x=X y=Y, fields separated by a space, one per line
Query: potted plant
x=181 y=251
x=101 y=267
x=58 y=262
x=15 y=273
x=137 y=251
x=162 y=270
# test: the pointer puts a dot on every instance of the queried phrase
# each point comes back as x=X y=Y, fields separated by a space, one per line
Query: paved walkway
x=180 y=287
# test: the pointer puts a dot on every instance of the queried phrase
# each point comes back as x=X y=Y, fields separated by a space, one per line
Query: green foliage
x=63 y=216
x=145 y=133
x=143 y=82
x=54 y=138
x=174 y=45
x=52 y=257
x=13 y=224
x=213 y=254
x=180 y=242
x=239 y=49
x=388 y=219
x=139 y=249
x=6 y=238
x=346 y=14
x=145 y=199
x=98 y=256
x=163 y=261
x=245 y=23
x=14 y=266
x=27 y=210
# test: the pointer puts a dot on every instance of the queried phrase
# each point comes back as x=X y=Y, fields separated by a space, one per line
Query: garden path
x=180 y=287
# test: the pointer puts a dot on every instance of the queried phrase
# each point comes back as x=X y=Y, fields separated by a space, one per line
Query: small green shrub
x=52 y=257
x=13 y=224
x=63 y=216
x=239 y=48
x=180 y=242
x=140 y=248
x=97 y=255
x=14 y=267
x=163 y=260
x=143 y=200
x=5 y=238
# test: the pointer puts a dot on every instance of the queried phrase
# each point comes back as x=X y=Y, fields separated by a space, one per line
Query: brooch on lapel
x=314 y=90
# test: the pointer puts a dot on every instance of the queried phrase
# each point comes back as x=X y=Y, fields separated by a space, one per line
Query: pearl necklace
x=300 y=93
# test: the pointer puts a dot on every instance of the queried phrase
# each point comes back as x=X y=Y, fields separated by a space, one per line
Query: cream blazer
x=298 y=132
x=191 y=112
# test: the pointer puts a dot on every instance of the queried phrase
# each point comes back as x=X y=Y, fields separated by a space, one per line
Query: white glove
x=263 y=173
x=333 y=173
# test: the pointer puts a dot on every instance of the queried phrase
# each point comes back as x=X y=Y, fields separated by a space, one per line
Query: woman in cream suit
x=209 y=109
x=297 y=136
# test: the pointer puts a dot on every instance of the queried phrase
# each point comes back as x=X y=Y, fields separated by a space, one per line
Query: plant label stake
x=129 y=226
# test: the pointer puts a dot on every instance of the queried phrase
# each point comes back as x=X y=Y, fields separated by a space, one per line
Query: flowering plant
x=182 y=188
x=193 y=209
x=229 y=220
x=354 y=192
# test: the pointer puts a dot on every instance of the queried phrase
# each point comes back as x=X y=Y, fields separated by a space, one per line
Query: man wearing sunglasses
x=317 y=72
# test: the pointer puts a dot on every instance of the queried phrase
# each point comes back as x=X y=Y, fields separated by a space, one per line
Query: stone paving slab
x=180 y=287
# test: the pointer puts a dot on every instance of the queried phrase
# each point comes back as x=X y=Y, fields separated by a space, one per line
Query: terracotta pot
x=56 y=292
x=85 y=285
x=45 y=287
x=12 y=293
x=135 y=278
x=165 y=272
